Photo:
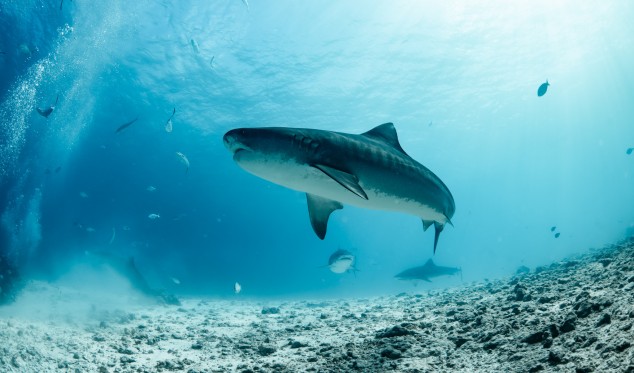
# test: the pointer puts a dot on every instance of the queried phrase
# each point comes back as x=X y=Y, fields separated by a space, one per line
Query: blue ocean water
x=458 y=79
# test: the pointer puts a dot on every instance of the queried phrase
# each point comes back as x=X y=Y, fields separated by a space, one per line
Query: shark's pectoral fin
x=345 y=179
x=438 y=228
x=427 y=224
x=319 y=210
x=425 y=279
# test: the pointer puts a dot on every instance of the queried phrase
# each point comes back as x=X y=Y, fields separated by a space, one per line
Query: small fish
x=90 y=230
x=114 y=234
x=195 y=46
x=246 y=3
x=58 y=169
x=629 y=151
x=168 y=125
x=176 y=281
x=183 y=159
x=557 y=235
x=48 y=171
x=83 y=195
x=125 y=125
x=211 y=62
x=154 y=216
x=126 y=228
x=24 y=50
x=150 y=188
x=46 y=112
x=542 y=89
x=237 y=288
x=552 y=229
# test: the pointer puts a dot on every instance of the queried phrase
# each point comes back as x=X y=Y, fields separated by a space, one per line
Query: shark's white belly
x=312 y=180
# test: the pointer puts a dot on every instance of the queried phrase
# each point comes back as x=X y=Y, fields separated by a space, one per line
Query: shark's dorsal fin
x=319 y=210
x=385 y=133
x=430 y=263
x=345 y=179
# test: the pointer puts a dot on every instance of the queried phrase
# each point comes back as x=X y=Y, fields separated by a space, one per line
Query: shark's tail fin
x=354 y=270
x=438 y=228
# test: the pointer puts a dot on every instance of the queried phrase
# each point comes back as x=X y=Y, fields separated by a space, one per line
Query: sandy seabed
x=572 y=316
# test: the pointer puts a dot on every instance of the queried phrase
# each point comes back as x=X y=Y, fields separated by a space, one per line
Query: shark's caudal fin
x=319 y=210
x=438 y=228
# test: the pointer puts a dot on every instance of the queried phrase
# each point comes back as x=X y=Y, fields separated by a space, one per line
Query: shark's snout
x=233 y=140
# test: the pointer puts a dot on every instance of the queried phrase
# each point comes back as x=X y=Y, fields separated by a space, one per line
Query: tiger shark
x=368 y=170
x=427 y=271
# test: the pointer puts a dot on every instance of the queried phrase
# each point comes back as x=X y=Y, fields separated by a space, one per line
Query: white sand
x=573 y=316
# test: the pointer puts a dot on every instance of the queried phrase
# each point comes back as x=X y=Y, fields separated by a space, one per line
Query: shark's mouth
x=239 y=152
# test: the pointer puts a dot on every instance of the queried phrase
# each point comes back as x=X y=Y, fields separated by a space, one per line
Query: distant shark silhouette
x=341 y=261
x=129 y=270
x=370 y=170
x=427 y=271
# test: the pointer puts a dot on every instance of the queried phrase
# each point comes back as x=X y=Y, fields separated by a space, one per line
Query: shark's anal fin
x=345 y=179
x=427 y=224
x=438 y=228
x=319 y=210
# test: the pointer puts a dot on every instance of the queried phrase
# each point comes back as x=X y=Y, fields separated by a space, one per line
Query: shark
x=368 y=170
x=427 y=271
x=128 y=269
x=341 y=261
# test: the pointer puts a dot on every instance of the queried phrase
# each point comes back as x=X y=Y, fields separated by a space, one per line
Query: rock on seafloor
x=572 y=316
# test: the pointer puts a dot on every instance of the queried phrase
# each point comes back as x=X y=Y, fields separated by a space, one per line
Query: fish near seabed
x=237 y=288
x=154 y=216
x=368 y=170
x=341 y=261
x=542 y=89
x=427 y=271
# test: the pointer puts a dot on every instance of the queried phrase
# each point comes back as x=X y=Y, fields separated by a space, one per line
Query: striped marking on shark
x=369 y=170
